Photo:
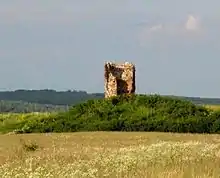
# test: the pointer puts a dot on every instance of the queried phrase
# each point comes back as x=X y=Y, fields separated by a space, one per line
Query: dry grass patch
x=110 y=154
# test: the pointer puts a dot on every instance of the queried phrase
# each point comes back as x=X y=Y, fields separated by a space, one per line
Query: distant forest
x=25 y=101
x=52 y=97
x=51 y=100
x=26 y=107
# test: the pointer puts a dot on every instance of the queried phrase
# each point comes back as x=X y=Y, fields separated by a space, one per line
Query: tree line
x=46 y=96
x=51 y=100
x=25 y=107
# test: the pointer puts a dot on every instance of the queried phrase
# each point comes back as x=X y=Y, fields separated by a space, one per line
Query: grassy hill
x=123 y=113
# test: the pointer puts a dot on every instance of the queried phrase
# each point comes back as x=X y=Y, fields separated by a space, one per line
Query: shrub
x=29 y=146
x=128 y=113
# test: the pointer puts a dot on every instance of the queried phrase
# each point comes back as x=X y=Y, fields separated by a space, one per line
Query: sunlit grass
x=14 y=119
x=110 y=154
x=213 y=107
x=20 y=116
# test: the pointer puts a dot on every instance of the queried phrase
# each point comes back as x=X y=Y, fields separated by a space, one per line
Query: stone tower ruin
x=119 y=79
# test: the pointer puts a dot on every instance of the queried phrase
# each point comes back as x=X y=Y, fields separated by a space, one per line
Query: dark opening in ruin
x=122 y=86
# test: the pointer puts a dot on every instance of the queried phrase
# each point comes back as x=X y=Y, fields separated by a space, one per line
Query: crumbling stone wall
x=119 y=79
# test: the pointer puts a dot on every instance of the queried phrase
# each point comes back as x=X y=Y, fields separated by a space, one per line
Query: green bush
x=126 y=113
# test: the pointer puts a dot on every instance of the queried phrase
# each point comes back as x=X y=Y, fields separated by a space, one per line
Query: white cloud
x=171 y=30
x=192 y=23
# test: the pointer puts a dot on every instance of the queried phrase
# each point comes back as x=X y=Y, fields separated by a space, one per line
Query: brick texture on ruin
x=119 y=79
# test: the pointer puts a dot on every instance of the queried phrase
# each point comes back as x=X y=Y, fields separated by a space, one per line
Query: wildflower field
x=45 y=149
x=110 y=154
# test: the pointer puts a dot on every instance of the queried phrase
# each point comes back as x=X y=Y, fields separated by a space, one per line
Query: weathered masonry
x=119 y=79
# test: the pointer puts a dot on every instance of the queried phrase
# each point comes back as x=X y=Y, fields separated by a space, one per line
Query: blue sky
x=63 y=44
